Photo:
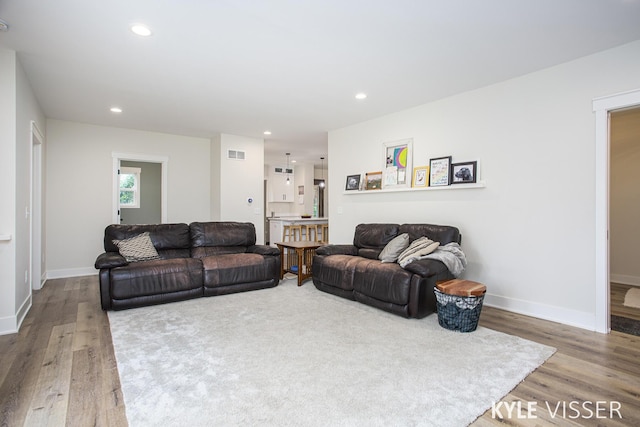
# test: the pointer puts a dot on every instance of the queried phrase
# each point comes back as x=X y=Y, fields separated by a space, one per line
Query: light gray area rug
x=296 y=356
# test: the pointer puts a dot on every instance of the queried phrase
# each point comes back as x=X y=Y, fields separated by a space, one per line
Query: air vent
x=236 y=154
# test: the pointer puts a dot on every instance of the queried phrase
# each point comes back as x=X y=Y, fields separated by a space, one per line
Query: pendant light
x=322 y=170
x=287 y=170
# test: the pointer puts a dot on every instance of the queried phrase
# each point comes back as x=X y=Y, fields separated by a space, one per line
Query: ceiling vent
x=235 y=154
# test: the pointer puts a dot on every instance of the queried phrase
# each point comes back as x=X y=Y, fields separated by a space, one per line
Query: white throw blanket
x=452 y=256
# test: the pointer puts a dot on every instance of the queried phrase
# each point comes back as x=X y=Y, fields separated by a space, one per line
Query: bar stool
x=324 y=233
x=292 y=232
x=311 y=229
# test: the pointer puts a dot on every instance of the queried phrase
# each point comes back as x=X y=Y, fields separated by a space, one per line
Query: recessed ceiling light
x=115 y=110
x=361 y=95
x=267 y=132
x=141 y=30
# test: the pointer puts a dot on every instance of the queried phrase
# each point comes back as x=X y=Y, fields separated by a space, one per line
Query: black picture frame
x=440 y=171
x=464 y=173
x=353 y=182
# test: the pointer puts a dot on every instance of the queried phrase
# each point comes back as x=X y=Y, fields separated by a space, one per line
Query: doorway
x=36 y=255
x=624 y=209
x=122 y=159
x=603 y=108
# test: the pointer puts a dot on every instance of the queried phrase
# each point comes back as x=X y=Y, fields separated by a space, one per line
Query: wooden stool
x=461 y=287
x=291 y=233
x=309 y=230
x=323 y=235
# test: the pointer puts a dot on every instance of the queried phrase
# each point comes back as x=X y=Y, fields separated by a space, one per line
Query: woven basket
x=458 y=313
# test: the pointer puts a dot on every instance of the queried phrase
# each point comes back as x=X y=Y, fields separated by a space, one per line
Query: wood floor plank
x=51 y=395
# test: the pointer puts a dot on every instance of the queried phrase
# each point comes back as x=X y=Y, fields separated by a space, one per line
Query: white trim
x=23 y=311
x=624 y=279
x=35 y=202
x=71 y=272
x=579 y=319
x=8 y=325
x=137 y=157
x=602 y=106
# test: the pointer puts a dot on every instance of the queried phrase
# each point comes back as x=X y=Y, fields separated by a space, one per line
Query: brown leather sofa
x=200 y=259
x=355 y=272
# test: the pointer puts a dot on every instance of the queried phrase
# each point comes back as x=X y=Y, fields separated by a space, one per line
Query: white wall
x=7 y=190
x=80 y=186
x=241 y=180
x=530 y=234
x=18 y=107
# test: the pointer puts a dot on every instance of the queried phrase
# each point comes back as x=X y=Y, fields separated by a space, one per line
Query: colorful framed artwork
x=440 y=171
x=464 y=173
x=373 y=180
x=397 y=163
x=353 y=182
x=420 y=176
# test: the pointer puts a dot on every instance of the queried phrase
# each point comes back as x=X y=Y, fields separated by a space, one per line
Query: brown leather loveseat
x=200 y=259
x=356 y=272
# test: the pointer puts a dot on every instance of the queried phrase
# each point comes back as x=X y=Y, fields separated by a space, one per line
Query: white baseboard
x=579 y=319
x=624 y=279
x=11 y=324
x=71 y=272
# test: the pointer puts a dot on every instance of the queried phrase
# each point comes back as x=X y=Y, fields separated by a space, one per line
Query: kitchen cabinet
x=279 y=189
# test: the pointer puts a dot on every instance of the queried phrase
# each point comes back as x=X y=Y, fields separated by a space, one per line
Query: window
x=129 y=187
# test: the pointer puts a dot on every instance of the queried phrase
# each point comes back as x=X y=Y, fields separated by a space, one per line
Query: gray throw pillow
x=137 y=248
x=394 y=248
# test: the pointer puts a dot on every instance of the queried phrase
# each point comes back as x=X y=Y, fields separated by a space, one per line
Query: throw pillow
x=137 y=248
x=419 y=247
x=394 y=248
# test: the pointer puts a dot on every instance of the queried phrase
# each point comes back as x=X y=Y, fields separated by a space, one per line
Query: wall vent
x=235 y=154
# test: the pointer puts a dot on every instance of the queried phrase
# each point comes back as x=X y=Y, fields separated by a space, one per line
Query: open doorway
x=151 y=206
x=603 y=107
x=36 y=254
x=624 y=211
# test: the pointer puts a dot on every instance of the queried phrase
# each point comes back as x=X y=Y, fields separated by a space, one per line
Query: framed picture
x=353 y=182
x=373 y=180
x=464 y=173
x=440 y=171
x=420 y=176
x=397 y=163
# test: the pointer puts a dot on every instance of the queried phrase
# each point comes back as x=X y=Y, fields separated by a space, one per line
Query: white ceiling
x=289 y=66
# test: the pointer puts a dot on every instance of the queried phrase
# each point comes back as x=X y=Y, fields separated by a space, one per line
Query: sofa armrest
x=110 y=260
x=337 y=250
x=263 y=250
x=427 y=267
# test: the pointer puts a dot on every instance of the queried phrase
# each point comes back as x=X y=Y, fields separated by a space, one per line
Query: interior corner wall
x=79 y=175
x=242 y=180
x=529 y=235
x=18 y=108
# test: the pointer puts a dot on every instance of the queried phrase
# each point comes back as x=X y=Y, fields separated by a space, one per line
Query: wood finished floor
x=60 y=368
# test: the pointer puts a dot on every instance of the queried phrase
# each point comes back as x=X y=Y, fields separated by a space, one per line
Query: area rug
x=625 y=325
x=632 y=298
x=295 y=356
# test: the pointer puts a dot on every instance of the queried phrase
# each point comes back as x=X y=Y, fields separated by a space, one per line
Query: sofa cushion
x=230 y=234
x=438 y=233
x=386 y=282
x=374 y=236
x=137 y=248
x=232 y=269
x=163 y=236
x=155 y=277
x=394 y=248
x=336 y=270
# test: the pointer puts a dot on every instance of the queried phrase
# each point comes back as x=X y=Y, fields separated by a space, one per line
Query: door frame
x=35 y=209
x=137 y=157
x=602 y=107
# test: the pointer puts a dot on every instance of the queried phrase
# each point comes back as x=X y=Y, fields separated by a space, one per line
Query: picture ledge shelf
x=480 y=184
x=5 y=237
